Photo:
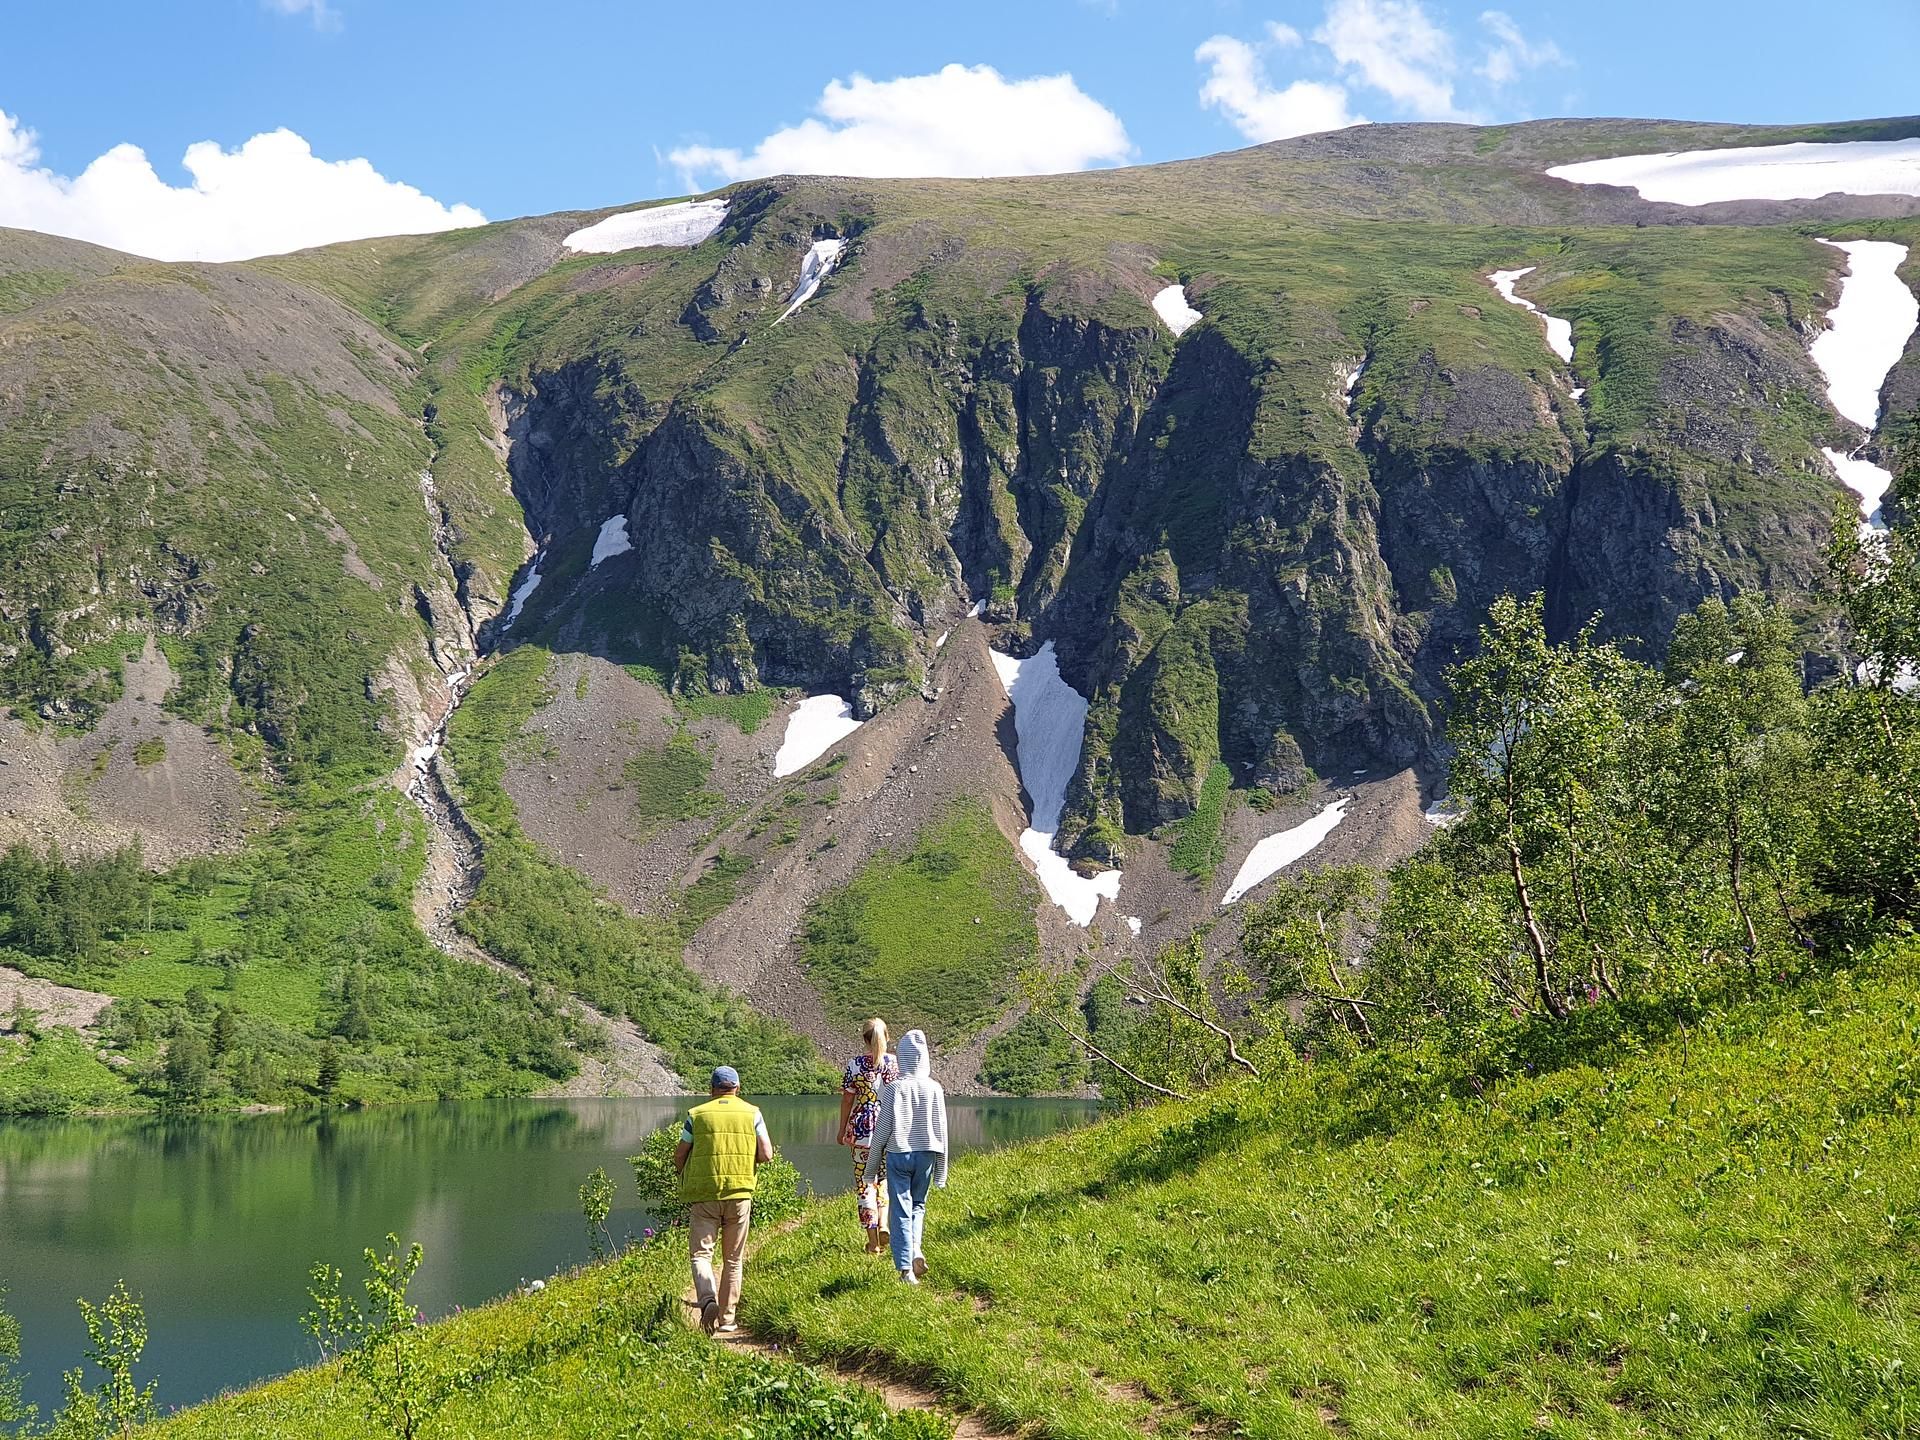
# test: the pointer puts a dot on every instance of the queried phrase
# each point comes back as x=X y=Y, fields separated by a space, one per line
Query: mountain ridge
x=1257 y=546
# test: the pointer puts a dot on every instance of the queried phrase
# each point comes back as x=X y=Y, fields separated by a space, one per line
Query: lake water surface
x=215 y=1222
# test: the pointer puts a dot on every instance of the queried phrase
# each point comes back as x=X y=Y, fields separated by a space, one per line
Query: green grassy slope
x=936 y=937
x=1709 y=1235
x=596 y=1354
x=1702 y=1229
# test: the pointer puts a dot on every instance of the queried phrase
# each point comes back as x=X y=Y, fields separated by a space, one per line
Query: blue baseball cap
x=725 y=1077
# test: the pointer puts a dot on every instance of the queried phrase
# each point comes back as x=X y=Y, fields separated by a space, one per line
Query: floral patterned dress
x=862 y=1081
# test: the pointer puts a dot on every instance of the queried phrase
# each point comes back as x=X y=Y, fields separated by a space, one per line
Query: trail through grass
x=1719 y=1236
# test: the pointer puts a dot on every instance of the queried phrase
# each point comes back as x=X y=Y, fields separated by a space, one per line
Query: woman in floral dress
x=859 y=1108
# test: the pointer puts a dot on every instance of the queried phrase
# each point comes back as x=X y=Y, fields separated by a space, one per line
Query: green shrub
x=668 y=783
x=780 y=1190
x=1197 y=849
x=1033 y=1058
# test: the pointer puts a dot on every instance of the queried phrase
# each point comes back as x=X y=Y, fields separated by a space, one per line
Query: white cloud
x=959 y=121
x=1237 y=85
x=1391 y=47
x=271 y=195
x=1509 y=52
x=324 y=16
x=1394 y=47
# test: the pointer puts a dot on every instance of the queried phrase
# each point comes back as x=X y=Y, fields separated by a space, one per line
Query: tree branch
x=1160 y=993
x=1101 y=1055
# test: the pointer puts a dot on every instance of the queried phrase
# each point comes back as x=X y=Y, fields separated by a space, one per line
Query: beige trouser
x=727 y=1219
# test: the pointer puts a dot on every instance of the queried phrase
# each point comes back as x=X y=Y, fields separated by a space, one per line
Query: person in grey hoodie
x=911 y=1132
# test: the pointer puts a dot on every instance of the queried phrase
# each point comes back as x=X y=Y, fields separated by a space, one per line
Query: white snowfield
x=522 y=593
x=1559 y=332
x=1805 y=170
x=611 y=541
x=816 y=724
x=1867 y=331
x=1171 y=306
x=820 y=260
x=1866 y=334
x=1049 y=722
x=684 y=224
x=1276 y=852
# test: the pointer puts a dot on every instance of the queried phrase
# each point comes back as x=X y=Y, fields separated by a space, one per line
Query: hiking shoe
x=907 y=1277
x=919 y=1266
x=710 y=1316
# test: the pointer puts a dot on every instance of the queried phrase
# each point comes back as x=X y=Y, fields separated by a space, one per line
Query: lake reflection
x=215 y=1222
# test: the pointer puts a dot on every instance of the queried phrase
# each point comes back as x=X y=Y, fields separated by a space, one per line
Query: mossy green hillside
x=669 y=783
x=935 y=937
x=262 y=963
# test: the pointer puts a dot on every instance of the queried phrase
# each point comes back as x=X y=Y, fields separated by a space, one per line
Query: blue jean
x=909 y=1174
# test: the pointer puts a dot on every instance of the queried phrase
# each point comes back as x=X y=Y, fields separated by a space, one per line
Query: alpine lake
x=214 y=1222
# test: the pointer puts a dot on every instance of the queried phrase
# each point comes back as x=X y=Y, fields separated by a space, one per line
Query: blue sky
x=518 y=109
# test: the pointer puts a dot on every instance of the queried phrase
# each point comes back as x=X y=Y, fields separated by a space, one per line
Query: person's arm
x=846 y=1115
x=940 y=1134
x=882 y=1134
x=762 y=1143
x=683 y=1149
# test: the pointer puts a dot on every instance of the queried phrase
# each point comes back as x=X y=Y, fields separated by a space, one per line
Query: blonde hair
x=874 y=1032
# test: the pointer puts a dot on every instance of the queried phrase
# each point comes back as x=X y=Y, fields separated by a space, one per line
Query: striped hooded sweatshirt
x=913 y=1109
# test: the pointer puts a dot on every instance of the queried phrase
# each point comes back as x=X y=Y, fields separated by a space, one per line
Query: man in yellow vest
x=720 y=1144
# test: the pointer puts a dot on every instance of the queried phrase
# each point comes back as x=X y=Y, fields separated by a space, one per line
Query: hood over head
x=914 y=1057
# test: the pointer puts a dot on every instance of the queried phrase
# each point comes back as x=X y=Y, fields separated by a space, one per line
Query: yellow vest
x=720 y=1165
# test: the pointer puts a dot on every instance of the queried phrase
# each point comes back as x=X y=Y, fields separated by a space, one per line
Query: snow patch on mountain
x=1866 y=334
x=1559 y=332
x=815 y=726
x=1049 y=723
x=611 y=541
x=1276 y=852
x=687 y=223
x=1805 y=170
x=1867 y=331
x=522 y=593
x=1868 y=481
x=819 y=262
x=1172 y=307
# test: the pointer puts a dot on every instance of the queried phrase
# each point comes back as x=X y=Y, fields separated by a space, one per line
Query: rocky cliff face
x=1240 y=558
